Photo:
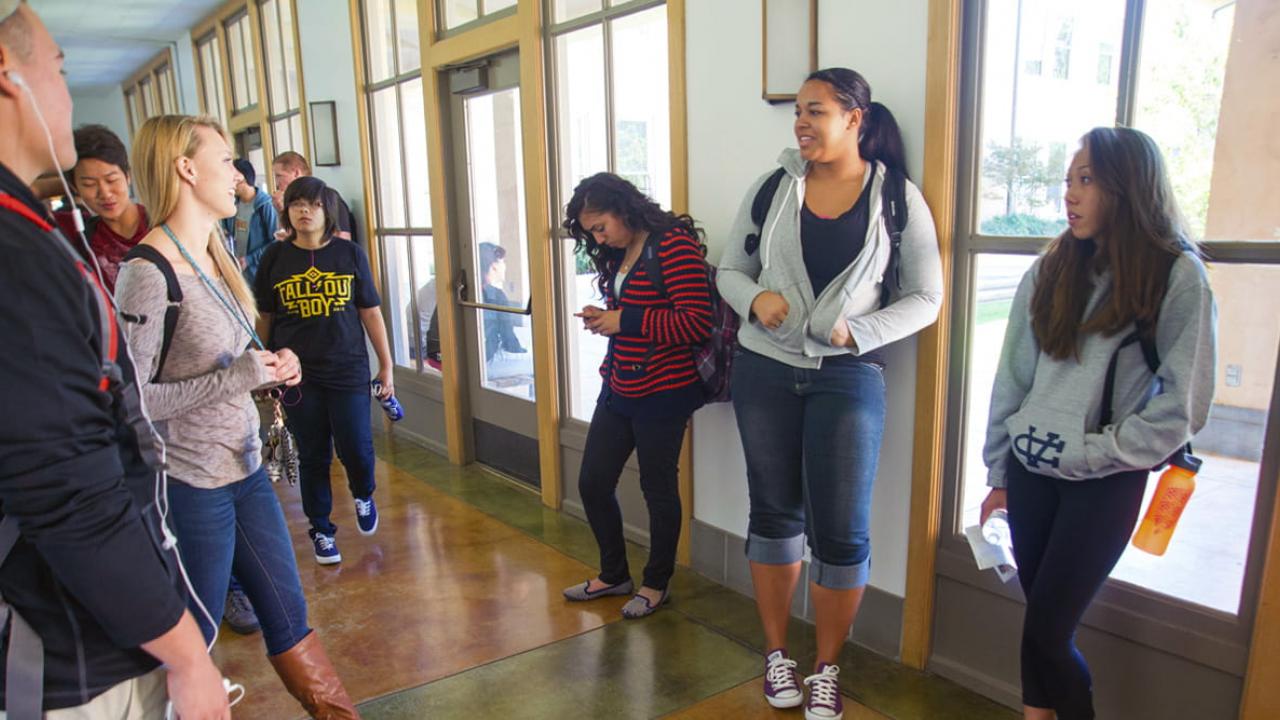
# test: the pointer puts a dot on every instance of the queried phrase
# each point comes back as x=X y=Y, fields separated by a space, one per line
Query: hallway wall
x=734 y=137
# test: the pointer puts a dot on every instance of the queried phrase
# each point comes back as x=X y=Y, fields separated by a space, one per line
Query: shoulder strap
x=760 y=205
x=24 y=663
x=653 y=263
x=893 y=206
x=172 y=288
x=91 y=226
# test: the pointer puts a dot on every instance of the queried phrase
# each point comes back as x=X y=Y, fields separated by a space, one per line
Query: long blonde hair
x=156 y=149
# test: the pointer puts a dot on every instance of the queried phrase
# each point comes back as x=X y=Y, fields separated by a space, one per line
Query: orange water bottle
x=1170 y=499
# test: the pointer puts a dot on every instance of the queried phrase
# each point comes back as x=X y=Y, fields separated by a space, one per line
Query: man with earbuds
x=90 y=599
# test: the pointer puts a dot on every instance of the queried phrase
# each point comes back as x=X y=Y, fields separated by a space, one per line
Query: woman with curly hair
x=651 y=385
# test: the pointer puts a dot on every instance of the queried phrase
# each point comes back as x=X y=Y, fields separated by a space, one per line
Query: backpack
x=1144 y=335
x=712 y=357
x=893 y=195
x=173 y=290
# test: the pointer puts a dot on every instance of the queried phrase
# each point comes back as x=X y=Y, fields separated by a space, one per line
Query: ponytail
x=881 y=139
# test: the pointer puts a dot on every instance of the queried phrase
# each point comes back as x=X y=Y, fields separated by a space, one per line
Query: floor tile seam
x=748 y=681
x=486 y=513
x=495 y=661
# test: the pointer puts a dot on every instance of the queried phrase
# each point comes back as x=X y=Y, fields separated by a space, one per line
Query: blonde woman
x=197 y=387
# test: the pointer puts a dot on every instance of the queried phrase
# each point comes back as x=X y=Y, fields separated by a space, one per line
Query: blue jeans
x=240 y=527
x=322 y=419
x=812 y=442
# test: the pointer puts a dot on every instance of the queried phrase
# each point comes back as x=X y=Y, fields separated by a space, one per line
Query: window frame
x=212 y=71
x=1144 y=616
x=368 y=88
x=444 y=31
x=152 y=90
x=294 y=97
x=558 y=195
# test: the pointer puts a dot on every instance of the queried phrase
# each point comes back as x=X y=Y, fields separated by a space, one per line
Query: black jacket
x=88 y=573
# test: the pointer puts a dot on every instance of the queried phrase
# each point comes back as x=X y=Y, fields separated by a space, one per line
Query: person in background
x=101 y=180
x=317 y=297
x=1123 y=275
x=95 y=607
x=289 y=166
x=253 y=227
x=499 y=327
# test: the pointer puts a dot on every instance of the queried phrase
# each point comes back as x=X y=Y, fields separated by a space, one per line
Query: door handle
x=460 y=292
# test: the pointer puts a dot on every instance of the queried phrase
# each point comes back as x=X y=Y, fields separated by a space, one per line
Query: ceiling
x=107 y=40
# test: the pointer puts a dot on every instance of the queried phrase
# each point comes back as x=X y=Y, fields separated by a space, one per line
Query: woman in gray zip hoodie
x=1120 y=284
x=818 y=305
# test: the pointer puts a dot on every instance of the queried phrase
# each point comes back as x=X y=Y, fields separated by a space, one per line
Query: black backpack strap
x=91 y=226
x=653 y=263
x=893 y=207
x=173 y=290
x=760 y=205
x=1109 y=385
x=24 y=662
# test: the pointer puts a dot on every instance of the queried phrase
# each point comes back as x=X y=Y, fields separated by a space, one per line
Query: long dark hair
x=881 y=139
x=1141 y=236
x=310 y=189
x=607 y=193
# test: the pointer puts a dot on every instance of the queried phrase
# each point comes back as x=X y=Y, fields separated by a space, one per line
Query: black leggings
x=1067 y=536
x=657 y=442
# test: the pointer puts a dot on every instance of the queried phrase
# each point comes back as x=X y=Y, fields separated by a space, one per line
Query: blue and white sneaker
x=326 y=548
x=367 y=516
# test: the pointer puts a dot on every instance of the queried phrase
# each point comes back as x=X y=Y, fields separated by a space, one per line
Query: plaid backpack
x=714 y=356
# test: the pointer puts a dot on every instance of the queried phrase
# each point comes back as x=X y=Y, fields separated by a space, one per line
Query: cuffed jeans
x=811 y=438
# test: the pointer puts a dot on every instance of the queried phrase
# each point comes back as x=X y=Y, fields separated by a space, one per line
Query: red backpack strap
x=106 y=310
x=10 y=202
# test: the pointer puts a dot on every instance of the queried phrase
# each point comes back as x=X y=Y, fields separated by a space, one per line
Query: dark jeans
x=812 y=444
x=322 y=419
x=1067 y=536
x=240 y=527
x=657 y=442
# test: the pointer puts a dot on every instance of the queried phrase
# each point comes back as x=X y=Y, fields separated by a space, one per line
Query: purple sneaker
x=781 y=686
x=824 y=694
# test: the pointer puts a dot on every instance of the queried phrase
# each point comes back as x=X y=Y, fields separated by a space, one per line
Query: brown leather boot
x=309 y=676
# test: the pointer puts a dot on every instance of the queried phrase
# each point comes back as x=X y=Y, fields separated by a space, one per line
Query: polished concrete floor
x=453 y=610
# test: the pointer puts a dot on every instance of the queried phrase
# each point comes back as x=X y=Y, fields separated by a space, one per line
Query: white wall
x=328 y=73
x=102 y=105
x=734 y=137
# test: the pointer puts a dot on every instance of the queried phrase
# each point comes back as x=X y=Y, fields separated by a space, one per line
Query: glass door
x=492 y=278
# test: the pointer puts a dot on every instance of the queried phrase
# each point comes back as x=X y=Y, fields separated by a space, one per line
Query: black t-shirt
x=830 y=245
x=314 y=297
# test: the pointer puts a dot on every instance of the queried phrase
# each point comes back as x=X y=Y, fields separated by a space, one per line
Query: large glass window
x=284 y=101
x=210 y=67
x=241 y=63
x=398 y=139
x=1190 y=89
x=616 y=121
x=461 y=12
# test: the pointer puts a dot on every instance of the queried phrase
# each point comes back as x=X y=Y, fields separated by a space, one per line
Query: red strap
x=16 y=205
x=107 y=317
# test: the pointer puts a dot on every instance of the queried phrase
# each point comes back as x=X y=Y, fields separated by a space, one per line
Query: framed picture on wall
x=324 y=133
x=789 y=44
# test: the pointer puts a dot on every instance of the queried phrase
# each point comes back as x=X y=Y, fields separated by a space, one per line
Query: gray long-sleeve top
x=853 y=297
x=1047 y=411
x=200 y=403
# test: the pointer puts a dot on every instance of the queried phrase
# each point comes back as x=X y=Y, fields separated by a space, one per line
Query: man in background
x=289 y=166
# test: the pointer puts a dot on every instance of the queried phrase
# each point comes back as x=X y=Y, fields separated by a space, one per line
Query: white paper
x=999 y=557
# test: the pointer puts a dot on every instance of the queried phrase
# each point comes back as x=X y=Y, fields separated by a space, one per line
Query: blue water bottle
x=391 y=406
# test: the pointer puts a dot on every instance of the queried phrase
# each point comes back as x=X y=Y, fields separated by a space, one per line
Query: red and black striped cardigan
x=653 y=351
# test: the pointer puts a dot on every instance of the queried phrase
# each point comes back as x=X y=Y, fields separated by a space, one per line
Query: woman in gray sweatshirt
x=818 y=299
x=1120 y=284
